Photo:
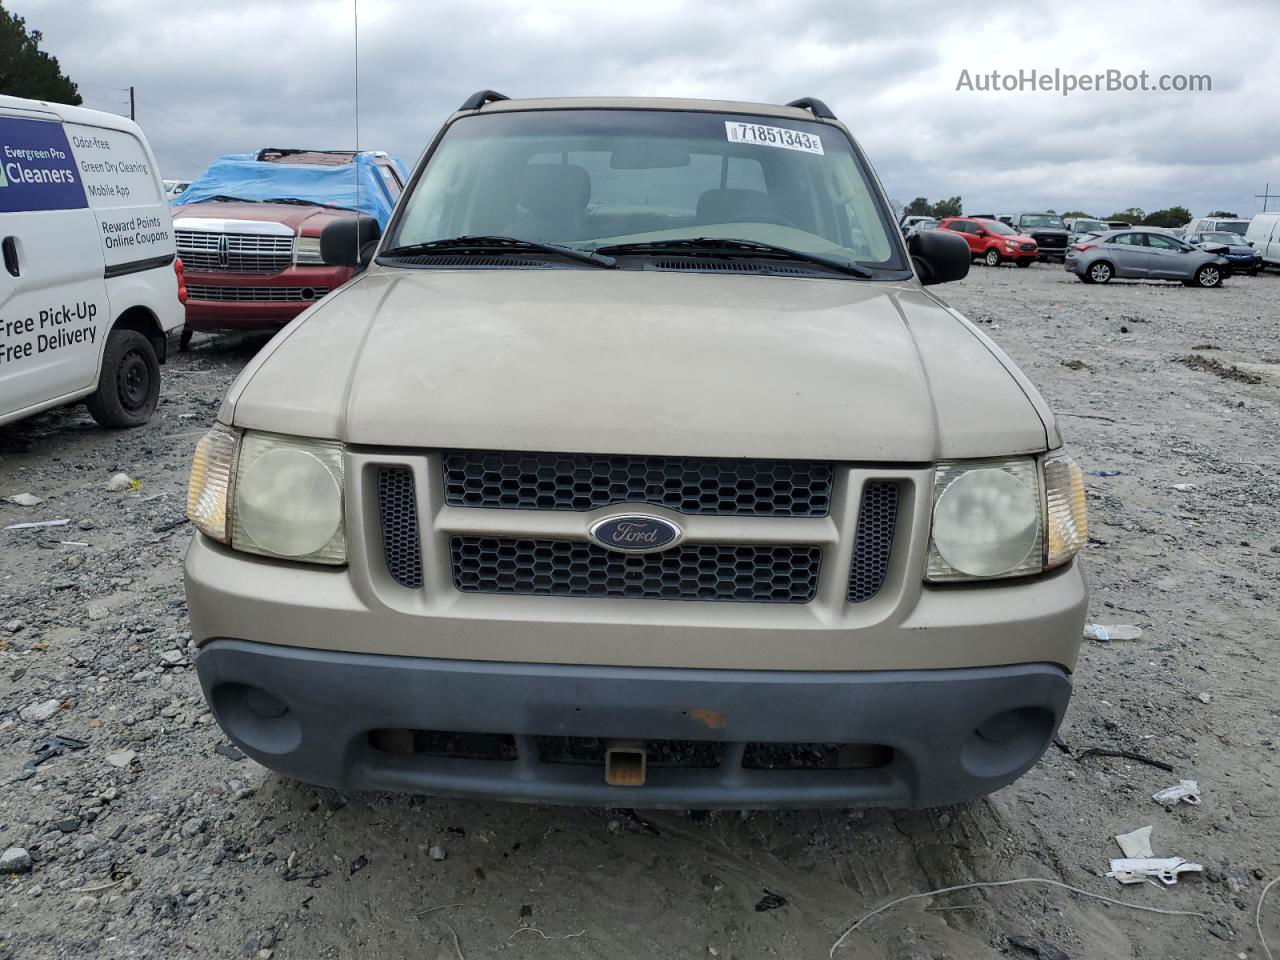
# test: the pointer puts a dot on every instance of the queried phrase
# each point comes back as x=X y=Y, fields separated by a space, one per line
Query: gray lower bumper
x=308 y=714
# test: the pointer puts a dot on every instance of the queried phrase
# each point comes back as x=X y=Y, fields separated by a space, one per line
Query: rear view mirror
x=648 y=155
x=939 y=256
x=349 y=241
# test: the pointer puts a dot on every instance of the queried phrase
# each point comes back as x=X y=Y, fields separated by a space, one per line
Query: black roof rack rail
x=815 y=106
x=480 y=98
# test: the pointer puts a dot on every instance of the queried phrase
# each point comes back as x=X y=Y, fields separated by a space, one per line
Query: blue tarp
x=241 y=176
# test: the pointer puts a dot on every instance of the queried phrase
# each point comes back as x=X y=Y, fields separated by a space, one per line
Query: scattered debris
x=1221 y=932
x=1106 y=632
x=1137 y=843
x=47 y=749
x=1075 y=364
x=1142 y=869
x=359 y=863
x=1218 y=368
x=989 y=884
x=1104 y=473
x=1186 y=487
x=169 y=525
x=25 y=499
x=1038 y=947
x=770 y=901
x=531 y=929
x=1125 y=755
x=1186 y=791
x=437 y=852
x=229 y=750
x=121 y=758
x=122 y=481
x=37 y=523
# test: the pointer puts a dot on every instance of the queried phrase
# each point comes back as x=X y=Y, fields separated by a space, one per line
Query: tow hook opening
x=624 y=763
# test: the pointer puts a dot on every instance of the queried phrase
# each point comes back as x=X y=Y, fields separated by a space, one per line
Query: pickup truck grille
x=444 y=545
x=221 y=294
x=248 y=253
x=695 y=485
x=568 y=568
x=1050 y=241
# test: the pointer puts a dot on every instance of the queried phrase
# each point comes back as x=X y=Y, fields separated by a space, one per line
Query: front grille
x=398 y=516
x=1028 y=246
x=873 y=542
x=1051 y=240
x=552 y=481
x=200 y=291
x=572 y=568
x=202 y=251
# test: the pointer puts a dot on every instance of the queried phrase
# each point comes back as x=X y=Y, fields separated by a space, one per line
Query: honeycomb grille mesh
x=549 y=481
x=572 y=568
x=873 y=543
x=398 y=515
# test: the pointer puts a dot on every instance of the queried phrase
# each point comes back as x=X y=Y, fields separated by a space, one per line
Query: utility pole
x=131 y=107
x=1266 y=195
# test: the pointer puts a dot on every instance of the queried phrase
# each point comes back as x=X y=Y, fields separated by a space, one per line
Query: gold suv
x=637 y=466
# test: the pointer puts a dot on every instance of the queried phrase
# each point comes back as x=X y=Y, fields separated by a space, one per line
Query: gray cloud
x=239 y=74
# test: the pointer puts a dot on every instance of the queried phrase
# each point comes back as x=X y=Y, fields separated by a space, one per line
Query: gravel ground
x=156 y=839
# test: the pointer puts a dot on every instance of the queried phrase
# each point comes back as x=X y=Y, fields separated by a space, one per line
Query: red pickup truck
x=993 y=242
x=251 y=256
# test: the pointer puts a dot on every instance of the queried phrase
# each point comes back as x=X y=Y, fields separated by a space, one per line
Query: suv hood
x=311 y=219
x=641 y=362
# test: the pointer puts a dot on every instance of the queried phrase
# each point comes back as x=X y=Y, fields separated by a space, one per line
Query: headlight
x=1005 y=518
x=307 y=250
x=268 y=494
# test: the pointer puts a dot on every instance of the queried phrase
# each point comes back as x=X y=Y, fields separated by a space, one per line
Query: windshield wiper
x=499 y=243
x=223 y=198
x=304 y=203
x=734 y=245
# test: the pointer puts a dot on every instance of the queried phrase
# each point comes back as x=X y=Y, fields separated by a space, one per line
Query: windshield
x=1238 y=227
x=1223 y=237
x=1087 y=226
x=998 y=228
x=1042 y=220
x=598 y=178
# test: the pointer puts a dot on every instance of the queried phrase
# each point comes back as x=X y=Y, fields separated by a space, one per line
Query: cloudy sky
x=233 y=75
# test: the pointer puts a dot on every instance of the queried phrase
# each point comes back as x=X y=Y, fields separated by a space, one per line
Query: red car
x=248 y=232
x=993 y=242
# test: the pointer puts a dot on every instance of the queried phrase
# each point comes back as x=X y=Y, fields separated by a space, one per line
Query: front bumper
x=311 y=714
x=236 y=306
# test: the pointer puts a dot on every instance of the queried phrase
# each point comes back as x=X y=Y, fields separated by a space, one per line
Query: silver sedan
x=1139 y=254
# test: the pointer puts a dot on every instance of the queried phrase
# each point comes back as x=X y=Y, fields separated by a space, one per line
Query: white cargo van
x=1264 y=234
x=89 y=282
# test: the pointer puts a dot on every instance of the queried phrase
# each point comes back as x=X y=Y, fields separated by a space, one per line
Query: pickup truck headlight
x=1005 y=518
x=268 y=494
x=306 y=250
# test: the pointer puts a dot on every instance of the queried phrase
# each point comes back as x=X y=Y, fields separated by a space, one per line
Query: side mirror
x=349 y=241
x=939 y=256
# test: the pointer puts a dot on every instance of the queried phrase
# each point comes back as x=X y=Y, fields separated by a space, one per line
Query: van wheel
x=129 y=386
x=184 y=341
x=1099 y=272
x=992 y=259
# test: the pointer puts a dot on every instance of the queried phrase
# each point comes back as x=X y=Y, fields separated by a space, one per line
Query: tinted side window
x=1129 y=239
x=1162 y=243
x=963 y=226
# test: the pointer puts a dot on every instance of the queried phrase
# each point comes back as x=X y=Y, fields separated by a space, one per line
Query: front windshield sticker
x=758 y=133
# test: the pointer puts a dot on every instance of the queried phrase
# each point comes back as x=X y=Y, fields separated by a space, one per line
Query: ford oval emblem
x=635 y=533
